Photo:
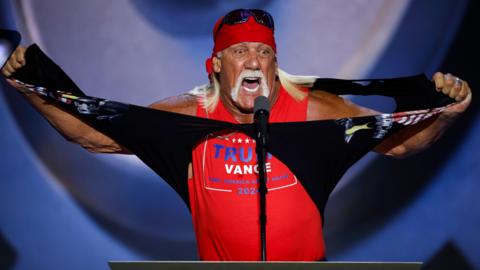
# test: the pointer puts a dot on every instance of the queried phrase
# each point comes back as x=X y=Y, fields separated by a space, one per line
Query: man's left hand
x=455 y=88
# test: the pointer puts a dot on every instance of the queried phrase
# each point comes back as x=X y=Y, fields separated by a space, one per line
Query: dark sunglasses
x=241 y=16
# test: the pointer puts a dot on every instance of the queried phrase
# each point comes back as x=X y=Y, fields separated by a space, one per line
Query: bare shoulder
x=184 y=104
x=324 y=105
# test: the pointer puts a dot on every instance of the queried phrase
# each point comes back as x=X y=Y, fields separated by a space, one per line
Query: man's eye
x=239 y=51
x=265 y=52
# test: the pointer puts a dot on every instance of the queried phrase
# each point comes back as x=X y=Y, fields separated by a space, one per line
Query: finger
x=15 y=64
x=464 y=92
x=8 y=69
x=20 y=55
x=438 y=79
x=458 y=86
x=447 y=84
x=446 y=90
x=5 y=72
x=453 y=94
x=455 y=89
x=461 y=96
x=449 y=80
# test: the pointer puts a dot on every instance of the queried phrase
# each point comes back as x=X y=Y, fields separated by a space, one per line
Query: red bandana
x=249 y=31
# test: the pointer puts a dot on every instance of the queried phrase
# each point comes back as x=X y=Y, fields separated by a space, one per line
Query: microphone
x=261 y=110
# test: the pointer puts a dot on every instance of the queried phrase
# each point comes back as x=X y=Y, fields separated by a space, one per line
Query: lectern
x=191 y=265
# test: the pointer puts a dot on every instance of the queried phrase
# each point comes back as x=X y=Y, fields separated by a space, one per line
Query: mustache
x=246 y=74
x=250 y=73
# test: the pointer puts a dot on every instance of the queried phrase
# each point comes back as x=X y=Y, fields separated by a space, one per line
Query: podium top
x=196 y=265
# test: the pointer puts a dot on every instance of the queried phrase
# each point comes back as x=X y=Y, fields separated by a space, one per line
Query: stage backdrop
x=64 y=208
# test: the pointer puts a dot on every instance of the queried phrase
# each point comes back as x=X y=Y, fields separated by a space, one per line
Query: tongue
x=250 y=84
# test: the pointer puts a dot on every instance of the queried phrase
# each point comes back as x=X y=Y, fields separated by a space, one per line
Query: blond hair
x=209 y=94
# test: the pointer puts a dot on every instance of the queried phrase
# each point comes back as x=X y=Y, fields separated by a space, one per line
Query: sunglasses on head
x=241 y=16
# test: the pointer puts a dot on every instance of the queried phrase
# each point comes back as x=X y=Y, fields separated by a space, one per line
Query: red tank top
x=224 y=197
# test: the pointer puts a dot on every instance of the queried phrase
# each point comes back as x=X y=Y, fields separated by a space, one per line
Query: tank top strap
x=288 y=109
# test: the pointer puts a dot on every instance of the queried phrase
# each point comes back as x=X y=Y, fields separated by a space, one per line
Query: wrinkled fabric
x=163 y=140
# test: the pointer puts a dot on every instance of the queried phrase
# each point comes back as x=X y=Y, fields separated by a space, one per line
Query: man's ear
x=217 y=64
x=276 y=66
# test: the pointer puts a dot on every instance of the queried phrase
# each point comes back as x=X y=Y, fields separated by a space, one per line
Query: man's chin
x=246 y=102
x=245 y=106
x=246 y=110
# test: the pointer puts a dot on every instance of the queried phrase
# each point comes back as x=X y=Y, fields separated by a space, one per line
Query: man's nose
x=252 y=61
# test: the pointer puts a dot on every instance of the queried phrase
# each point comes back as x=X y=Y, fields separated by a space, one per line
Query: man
x=222 y=177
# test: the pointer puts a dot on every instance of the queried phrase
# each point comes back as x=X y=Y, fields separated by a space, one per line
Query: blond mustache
x=250 y=73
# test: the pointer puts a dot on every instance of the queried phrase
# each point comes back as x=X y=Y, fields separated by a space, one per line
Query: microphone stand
x=261 y=150
x=261 y=122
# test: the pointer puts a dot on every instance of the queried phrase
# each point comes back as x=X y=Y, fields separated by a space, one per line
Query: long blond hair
x=209 y=94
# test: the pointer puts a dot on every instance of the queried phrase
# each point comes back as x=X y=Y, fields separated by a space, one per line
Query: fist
x=16 y=61
x=455 y=88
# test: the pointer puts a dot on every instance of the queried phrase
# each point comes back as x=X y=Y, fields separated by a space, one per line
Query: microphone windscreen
x=261 y=103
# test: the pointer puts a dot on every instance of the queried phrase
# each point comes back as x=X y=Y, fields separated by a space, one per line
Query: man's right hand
x=16 y=61
x=69 y=125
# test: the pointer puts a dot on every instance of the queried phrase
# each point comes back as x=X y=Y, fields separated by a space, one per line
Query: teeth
x=251 y=89
x=251 y=78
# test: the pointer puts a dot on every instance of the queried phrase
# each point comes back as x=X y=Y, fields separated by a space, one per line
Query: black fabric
x=319 y=155
x=410 y=93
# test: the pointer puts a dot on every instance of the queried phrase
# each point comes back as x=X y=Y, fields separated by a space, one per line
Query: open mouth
x=251 y=84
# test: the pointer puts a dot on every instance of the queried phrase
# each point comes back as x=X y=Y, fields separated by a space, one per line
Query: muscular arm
x=70 y=126
x=411 y=139
x=416 y=138
x=75 y=129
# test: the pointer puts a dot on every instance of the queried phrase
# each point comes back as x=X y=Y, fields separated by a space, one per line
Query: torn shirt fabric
x=164 y=140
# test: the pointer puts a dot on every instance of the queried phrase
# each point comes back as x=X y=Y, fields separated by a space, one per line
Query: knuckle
x=438 y=76
x=7 y=66
x=16 y=65
x=5 y=73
